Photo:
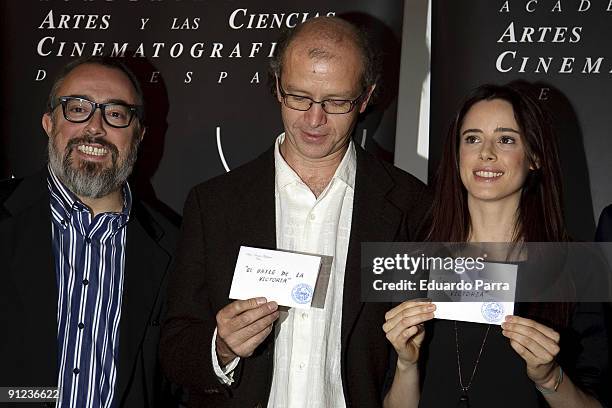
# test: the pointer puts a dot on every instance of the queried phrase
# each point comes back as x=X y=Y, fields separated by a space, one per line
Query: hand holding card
x=242 y=326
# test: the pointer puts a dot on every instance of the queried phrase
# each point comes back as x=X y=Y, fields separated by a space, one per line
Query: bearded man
x=83 y=261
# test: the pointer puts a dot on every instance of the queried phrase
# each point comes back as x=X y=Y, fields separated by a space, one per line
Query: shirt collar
x=285 y=175
x=69 y=201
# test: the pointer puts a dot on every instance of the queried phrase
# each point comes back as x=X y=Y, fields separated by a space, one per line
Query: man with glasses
x=84 y=262
x=314 y=191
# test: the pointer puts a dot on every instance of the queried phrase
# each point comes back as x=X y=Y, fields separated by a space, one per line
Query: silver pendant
x=464 y=401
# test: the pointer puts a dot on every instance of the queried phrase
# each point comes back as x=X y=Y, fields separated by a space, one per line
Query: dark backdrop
x=203 y=107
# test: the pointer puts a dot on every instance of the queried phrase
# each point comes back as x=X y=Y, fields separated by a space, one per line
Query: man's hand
x=242 y=326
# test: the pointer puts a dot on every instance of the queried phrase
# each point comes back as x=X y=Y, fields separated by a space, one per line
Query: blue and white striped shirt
x=89 y=264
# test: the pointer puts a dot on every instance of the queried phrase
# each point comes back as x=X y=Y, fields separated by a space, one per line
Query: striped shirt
x=89 y=264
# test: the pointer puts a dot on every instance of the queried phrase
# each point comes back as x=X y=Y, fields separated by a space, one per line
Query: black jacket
x=237 y=209
x=604 y=227
x=28 y=294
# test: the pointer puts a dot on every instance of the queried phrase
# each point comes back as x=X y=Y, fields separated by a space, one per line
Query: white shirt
x=307 y=351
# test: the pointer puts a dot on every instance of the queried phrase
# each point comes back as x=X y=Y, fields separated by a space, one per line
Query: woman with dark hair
x=499 y=181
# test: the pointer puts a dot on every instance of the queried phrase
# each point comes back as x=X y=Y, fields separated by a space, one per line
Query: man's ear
x=366 y=100
x=47 y=123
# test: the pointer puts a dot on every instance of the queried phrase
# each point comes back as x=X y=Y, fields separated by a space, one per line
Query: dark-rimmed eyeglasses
x=331 y=106
x=79 y=110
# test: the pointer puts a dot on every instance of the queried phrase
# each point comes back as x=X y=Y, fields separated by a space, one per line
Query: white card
x=287 y=278
x=494 y=286
x=477 y=312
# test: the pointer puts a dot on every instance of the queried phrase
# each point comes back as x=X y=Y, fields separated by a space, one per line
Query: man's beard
x=91 y=179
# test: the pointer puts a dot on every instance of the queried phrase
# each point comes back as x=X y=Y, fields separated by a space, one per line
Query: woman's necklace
x=464 y=400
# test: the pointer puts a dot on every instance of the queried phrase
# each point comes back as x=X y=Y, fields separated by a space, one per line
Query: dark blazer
x=604 y=234
x=28 y=294
x=604 y=227
x=237 y=209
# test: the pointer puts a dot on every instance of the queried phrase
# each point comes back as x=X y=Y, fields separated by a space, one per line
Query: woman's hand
x=538 y=345
x=405 y=330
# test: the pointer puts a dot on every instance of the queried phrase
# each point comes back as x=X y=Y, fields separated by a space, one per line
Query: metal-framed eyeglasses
x=115 y=114
x=331 y=106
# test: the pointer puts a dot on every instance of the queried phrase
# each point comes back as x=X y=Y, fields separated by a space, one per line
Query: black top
x=501 y=379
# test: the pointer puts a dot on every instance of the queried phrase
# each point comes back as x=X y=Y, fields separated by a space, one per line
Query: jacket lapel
x=32 y=270
x=146 y=264
x=375 y=219
x=258 y=228
x=261 y=204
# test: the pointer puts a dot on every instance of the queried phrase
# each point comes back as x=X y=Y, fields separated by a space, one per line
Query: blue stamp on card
x=492 y=311
x=301 y=293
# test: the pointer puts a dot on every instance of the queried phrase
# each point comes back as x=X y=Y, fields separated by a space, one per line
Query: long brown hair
x=540 y=212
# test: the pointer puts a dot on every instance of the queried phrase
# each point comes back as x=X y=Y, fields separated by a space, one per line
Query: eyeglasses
x=331 y=106
x=79 y=110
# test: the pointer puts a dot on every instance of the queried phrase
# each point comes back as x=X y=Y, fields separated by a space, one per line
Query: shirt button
x=302 y=365
x=85 y=282
x=304 y=315
x=76 y=371
x=81 y=325
x=311 y=217
x=88 y=240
